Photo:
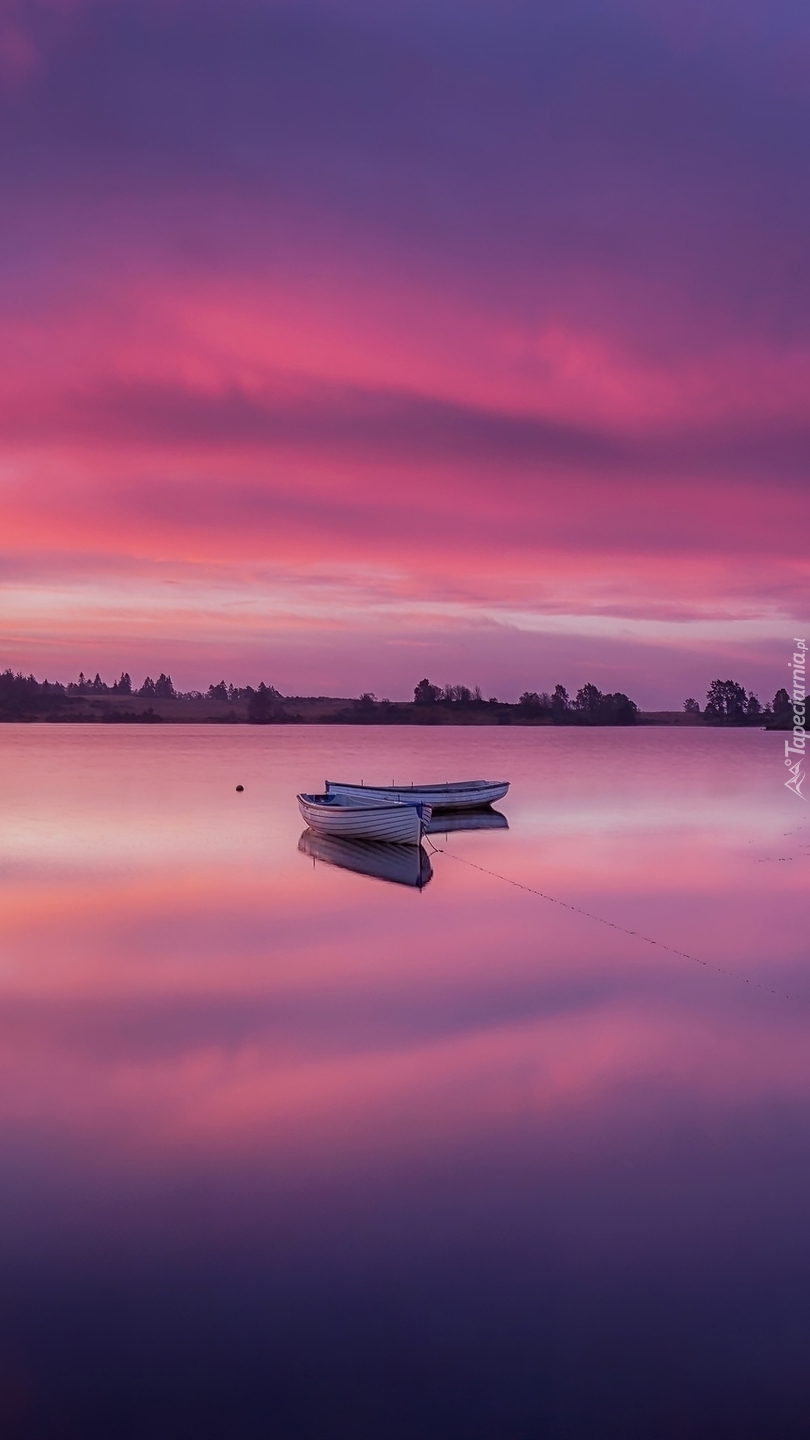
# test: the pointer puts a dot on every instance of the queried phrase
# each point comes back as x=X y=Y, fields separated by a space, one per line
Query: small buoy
x=240 y=787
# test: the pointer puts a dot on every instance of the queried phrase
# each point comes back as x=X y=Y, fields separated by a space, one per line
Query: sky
x=345 y=343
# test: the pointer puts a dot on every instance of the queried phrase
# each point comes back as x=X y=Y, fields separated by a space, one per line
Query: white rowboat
x=458 y=795
x=368 y=819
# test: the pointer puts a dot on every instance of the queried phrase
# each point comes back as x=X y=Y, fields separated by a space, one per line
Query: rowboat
x=457 y=795
x=398 y=864
x=365 y=819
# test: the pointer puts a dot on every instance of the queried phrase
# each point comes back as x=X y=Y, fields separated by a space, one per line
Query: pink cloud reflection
x=180 y=982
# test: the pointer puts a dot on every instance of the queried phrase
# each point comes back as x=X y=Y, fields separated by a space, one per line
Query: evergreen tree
x=261 y=708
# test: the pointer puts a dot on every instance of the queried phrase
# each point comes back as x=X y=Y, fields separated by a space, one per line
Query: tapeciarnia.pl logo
x=799 y=695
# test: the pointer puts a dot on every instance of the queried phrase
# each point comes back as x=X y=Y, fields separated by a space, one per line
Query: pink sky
x=419 y=366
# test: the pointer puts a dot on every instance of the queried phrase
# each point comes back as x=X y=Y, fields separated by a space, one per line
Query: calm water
x=289 y=1151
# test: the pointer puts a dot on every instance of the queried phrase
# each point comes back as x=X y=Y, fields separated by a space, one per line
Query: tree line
x=589 y=706
x=22 y=695
x=163 y=689
x=728 y=703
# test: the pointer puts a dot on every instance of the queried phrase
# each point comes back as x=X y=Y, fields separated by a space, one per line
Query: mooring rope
x=612 y=924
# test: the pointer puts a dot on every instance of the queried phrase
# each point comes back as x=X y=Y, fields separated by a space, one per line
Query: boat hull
x=461 y=795
x=391 y=822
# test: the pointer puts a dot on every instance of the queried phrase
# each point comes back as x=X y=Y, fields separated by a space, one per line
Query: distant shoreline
x=324 y=710
x=25 y=699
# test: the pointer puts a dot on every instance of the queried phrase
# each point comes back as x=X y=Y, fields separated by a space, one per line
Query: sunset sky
x=346 y=343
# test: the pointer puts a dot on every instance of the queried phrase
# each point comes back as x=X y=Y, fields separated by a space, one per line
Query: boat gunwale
x=331 y=802
x=446 y=787
x=449 y=795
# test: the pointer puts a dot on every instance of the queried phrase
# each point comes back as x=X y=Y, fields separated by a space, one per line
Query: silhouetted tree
x=426 y=694
x=533 y=705
x=148 y=687
x=597 y=709
x=782 y=708
x=261 y=705
x=164 y=689
x=218 y=692
x=753 y=709
x=21 y=695
x=588 y=702
x=560 y=704
x=456 y=695
x=691 y=706
x=726 y=700
x=618 y=709
x=123 y=686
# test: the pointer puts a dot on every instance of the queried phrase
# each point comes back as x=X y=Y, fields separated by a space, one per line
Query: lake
x=296 y=1153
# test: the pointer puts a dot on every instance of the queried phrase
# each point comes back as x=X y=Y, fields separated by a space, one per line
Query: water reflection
x=398 y=864
x=450 y=823
x=287 y=1154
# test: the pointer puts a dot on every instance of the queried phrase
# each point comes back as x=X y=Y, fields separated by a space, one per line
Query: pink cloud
x=266 y=434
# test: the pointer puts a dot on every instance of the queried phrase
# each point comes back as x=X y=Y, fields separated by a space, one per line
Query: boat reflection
x=449 y=823
x=398 y=864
